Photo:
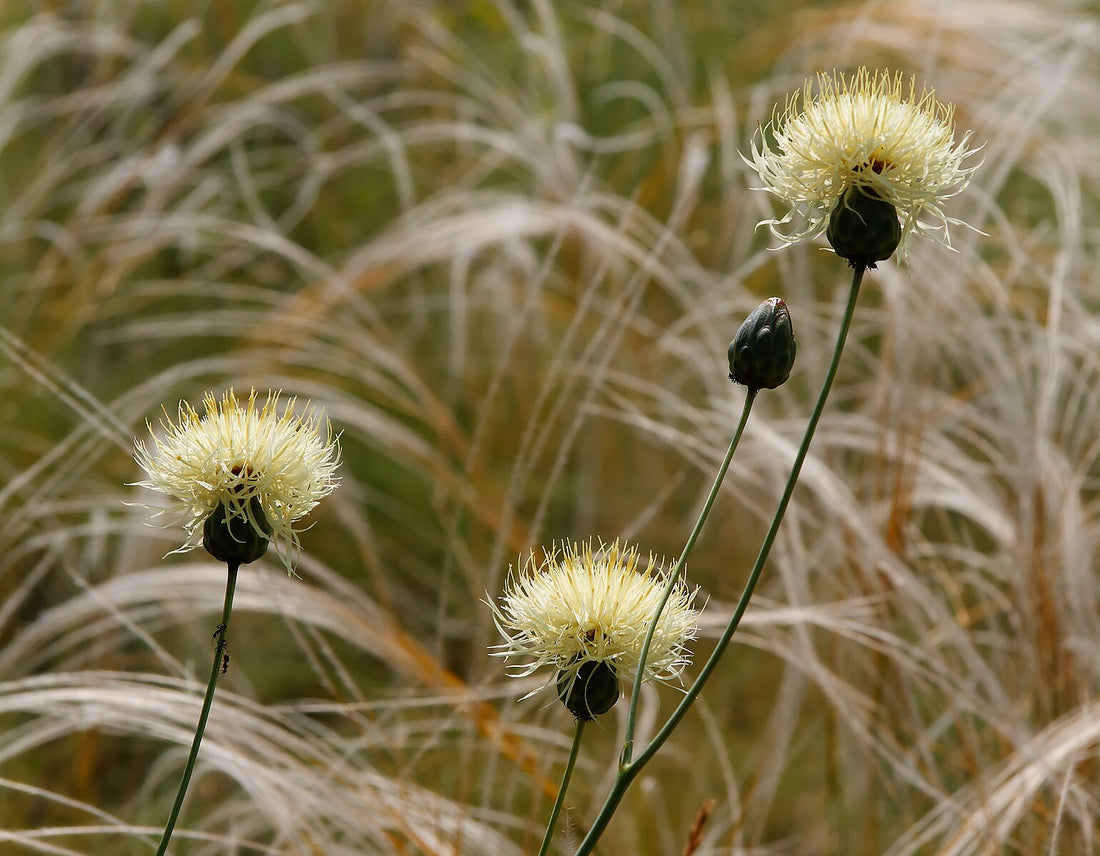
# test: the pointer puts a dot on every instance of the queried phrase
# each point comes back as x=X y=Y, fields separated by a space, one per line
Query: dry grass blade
x=505 y=245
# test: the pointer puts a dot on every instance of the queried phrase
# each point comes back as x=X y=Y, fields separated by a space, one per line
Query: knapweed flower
x=871 y=136
x=247 y=471
x=584 y=613
x=761 y=355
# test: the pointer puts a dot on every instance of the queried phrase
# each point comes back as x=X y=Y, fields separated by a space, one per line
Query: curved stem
x=674 y=575
x=216 y=669
x=550 y=824
x=627 y=772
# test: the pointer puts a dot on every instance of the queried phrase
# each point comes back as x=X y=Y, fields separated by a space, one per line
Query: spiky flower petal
x=873 y=131
x=579 y=605
x=246 y=459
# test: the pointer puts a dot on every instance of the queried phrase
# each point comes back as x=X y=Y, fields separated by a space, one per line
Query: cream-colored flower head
x=582 y=605
x=874 y=131
x=238 y=454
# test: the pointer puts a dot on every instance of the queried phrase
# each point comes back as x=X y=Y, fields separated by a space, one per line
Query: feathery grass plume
x=873 y=133
x=248 y=463
x=585 y=613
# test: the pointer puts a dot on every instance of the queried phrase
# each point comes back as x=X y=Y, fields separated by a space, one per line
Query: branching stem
x=629 y=769
x=674 y=575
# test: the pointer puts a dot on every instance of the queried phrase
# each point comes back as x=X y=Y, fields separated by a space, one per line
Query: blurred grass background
x=505 y=244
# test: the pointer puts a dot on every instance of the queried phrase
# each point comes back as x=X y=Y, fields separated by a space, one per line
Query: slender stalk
x=628 y=771
x=553 y=822
x=674 y=575
x=208 y=700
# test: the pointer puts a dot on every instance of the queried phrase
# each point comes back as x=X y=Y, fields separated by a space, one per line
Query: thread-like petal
x=874 y=131
x=235 y=452
x=583 y=605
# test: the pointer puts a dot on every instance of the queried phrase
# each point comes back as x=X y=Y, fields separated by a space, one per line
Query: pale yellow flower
x=236 y=455
x=581 y=605
x=874 y=131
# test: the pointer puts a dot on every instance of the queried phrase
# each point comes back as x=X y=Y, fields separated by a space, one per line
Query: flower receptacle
x=237 y=538
x=593 y=691
x=863 y=228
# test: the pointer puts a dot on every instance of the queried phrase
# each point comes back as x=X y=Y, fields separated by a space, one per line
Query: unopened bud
x=863 y=228
x=233 y=537
x=593 y=691
x=761 y=355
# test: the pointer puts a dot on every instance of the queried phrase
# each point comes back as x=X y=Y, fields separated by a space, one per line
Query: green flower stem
x=628 y=771
x=208 y=700
x=674 y=575
x=553 y=822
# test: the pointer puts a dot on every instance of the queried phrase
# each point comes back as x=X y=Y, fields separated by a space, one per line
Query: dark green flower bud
x=762 y=353
x=863 y=228
x=233 y=538
x=594 y=690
